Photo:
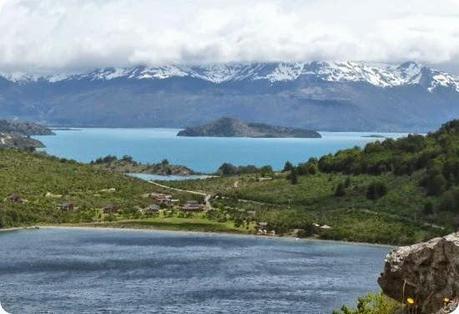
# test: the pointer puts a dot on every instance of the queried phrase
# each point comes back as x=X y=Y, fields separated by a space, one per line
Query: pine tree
x=293 y=176
x=288 y=166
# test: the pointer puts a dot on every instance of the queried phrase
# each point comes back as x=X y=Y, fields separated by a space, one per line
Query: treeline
x=435 y=157
x=110 y=159
x=228 y=169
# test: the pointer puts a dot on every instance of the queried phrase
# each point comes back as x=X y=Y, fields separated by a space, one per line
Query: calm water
x=202 y=154
x=87 y=271
x=156 y=177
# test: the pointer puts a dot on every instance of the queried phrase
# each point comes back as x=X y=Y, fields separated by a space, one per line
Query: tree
x=428 y=208
x=347 y=182
x=447 y=201
x=435 y=185
x=376 y=190
x=293 y=177
x=227 y=169
x=288 y=166
x=266 y=171
x=340 y=190
x=312 y=168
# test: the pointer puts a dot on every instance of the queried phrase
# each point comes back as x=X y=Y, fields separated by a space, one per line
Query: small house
x=298 y=232
x=262 y=225
x=151 y=209
x=161 y=199
x=192 y=206
x=67 y=206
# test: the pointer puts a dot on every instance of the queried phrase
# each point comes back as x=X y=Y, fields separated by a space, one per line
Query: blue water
x=203 y=154
x=156 y=177
x=106 y=271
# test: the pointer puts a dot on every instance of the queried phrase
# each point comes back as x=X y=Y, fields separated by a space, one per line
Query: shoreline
x=190 y=232
x=19 y=228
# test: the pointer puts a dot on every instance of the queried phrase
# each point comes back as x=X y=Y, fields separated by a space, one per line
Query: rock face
x=24 y=128
x=427 y=272
x=229 y=127
x=16 y=134
x=15 y=140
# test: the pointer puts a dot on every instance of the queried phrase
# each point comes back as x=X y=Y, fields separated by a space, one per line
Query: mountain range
x=336 y=96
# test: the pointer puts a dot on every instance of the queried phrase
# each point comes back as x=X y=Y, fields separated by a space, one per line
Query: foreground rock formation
x=428 y=272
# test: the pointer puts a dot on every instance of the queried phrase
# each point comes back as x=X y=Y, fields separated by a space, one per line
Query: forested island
x=230 y=127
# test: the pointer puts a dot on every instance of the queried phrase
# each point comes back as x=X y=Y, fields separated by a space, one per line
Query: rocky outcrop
x=428 y=272
x=24 y=128
x=19 y=141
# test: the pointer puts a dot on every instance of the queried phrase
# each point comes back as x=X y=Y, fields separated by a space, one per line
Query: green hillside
x=35 y=187
x=394 y=191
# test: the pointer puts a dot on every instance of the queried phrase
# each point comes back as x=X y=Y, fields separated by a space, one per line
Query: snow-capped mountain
x=381 y=75
x=340 y=96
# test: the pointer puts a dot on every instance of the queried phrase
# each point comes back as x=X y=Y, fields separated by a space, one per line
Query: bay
x=62 y=270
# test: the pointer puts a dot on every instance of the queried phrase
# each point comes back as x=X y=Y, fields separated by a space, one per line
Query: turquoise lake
x=203 y=154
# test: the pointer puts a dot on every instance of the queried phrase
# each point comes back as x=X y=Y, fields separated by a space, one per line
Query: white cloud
x=57 y=35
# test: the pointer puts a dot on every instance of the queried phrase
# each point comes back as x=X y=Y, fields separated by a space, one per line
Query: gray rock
x=427 y=272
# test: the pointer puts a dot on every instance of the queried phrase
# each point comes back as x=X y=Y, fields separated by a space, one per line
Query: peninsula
x=17 y=134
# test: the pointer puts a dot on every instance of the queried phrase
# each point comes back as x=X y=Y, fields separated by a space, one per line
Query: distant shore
x=18 y=228
x=150 y=229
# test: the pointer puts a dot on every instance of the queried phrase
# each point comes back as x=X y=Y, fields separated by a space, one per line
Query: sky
x=53 y=36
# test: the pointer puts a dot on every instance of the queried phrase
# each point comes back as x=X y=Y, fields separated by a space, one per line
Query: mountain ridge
x=333 y=96
x=377 y=74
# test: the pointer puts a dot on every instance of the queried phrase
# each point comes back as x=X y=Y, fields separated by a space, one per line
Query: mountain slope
x=318 y=95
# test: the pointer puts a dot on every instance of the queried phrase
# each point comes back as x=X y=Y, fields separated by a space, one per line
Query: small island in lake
x=230 y=127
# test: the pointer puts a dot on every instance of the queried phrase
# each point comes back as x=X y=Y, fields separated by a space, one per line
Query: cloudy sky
x=73 y=35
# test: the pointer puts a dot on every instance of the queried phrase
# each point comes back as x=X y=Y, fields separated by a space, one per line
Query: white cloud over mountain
x=70 y=35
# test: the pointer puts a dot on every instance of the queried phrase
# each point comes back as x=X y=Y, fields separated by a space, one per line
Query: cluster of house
x=160 y=201
x=263 y=229
x=166 y=200
x=318 y=227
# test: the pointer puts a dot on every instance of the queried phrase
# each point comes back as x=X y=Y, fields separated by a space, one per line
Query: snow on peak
x=285 y=72
x=377 y=74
